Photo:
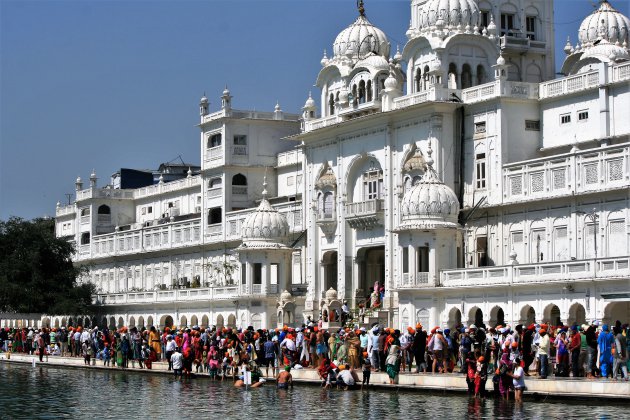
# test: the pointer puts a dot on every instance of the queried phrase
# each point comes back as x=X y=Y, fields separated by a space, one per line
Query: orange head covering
x=514 y=344
x=481 y=359
x=411 y=330
x=418 y=326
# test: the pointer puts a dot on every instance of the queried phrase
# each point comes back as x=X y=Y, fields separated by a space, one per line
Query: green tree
x=36 y=270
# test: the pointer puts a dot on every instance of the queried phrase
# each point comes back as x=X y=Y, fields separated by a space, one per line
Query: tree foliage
x=36 y=270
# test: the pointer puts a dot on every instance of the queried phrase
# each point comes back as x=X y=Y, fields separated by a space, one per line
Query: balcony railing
x=603 y=168
x=569 y=85
x=65 y=210
x=215 y=192
x=365 y=214
x=239 y=150
x=601 y=268
x=239 y=189
x=408 y=280
x=214 y=153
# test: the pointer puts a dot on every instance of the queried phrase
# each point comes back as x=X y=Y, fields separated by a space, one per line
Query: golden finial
x=360 y=7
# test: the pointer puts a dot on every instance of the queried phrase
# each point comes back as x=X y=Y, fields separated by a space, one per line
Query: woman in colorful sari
x=154 y=341
x=393 y=362
x=354 y=346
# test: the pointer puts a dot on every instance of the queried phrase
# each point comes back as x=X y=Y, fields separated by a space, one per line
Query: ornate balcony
x=365 y=214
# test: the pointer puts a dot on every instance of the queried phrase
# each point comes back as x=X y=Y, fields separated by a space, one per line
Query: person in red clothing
x=575 y=345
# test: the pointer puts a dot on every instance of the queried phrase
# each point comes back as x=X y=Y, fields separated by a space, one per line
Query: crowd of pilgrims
x=502 y=353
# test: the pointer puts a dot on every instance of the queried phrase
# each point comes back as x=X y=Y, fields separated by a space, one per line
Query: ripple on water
x=53 y=393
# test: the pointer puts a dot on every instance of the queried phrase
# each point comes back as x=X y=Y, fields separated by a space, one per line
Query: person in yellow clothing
x=154 y=342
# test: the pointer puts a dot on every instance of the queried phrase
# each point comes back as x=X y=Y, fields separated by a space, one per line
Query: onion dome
x=360 y=39
x=265 y=227
x=226 y=91
x=310 y=103
x=324 y=61
x=327 y=180
x=501 y=60
x=604 y=24
x=374 y=62
x=398 y=56
x=391 y=83
x=449 y=13
x=203 y=100
x=429 y=203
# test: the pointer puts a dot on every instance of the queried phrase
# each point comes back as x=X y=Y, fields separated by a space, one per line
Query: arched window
x=452 y=76
x=481 y=75
x=369 y=91
x=425 y=78
x=466 y=76
x=239 y=179
x=331 y=104
x=362 y=92
x=418 y=80
x=328 y=203
x=354 y=95
x=103 y=209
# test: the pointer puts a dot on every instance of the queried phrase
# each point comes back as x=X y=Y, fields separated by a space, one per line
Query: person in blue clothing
x=604 y=344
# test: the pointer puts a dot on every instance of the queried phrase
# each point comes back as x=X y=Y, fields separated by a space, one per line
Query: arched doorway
x=423 y=318
x=112 y=323
x=615 y=311
x=231 y=323
x=132 y=322
x=46 y=323
x=194 y=321
x=150 y=321
x=121 y=322
x=454 y=318
x=577 y=314
x=183 y=321
x=165 y=321
x=371 y=266
x=475 y=317
x=528 y=315
x=57 y=323
x=404 y=319
x=256 y=321
x=140 y=322
x=220 y=322
x=552 y=315
x=497 y=316
x=204 y=321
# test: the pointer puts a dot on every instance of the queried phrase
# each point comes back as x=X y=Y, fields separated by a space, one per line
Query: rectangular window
x=480 y=127
x=582 y=115
x=257 y=273
x=507 y=24
x=240 y=140
x=481 y=251
x=423 y=259
x=480 y=171
x=532 y=125
x=565 y=119
x=530 y=26
x=372 y=185
x=214 y=140
x=290 y=181
x=405 y=260
x=243 y=274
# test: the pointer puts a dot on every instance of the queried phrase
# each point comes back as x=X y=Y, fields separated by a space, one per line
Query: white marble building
x=458 y=171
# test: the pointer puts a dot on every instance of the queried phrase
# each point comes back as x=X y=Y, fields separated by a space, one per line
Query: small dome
x=324 y=60
x=310 y=102
x=331 y=294
x=391 y=83
x=445 y=13
x=79 y=180
x=501 y=60
x=264 y=228
x=360 y=39
x=328 y=179
x=429 y=203
x=286 y=295
x=605 y=23
x=226 y=91
x=203 y=99
x=398 y=56
x=376 y=62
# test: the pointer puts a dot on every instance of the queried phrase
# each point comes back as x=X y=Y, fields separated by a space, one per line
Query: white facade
x=457 y=171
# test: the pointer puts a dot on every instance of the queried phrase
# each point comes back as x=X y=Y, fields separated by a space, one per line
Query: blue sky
x=108 y=84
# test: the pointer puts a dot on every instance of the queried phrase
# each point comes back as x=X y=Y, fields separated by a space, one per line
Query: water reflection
x=52 y=393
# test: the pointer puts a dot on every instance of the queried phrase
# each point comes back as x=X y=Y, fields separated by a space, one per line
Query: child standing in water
x=367 y=370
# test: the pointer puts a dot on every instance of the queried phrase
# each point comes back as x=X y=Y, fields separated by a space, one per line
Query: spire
x=361 y=8
x=264 y=191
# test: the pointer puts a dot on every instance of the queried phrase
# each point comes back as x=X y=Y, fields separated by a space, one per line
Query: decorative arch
x=194 y=321
x=239 y=179
x=183 y=321
x=497 y=316
x=220 y=322
x=64 y=322
x=256 y=321
x=533 y=74
x=104 y=209
x=454 y=317
x=121 y=322
x=57 y=323
x=577 y=314
x=166 y=321
x=150 y=321
x=404 y=319
x=423 y=317
x=359 y=165
x=528 y=315
x=132 y=322
x=551 y=314
x=475 y=316
x=614 y=311
x=231 y=321
x=205 y=321
x=141 y=322
x=46 y=322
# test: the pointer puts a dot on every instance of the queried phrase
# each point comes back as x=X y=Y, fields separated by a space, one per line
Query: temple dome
x=360 y=39
x=265 y=227
x=430 y=203
x=447 y=13
x=605 y=23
